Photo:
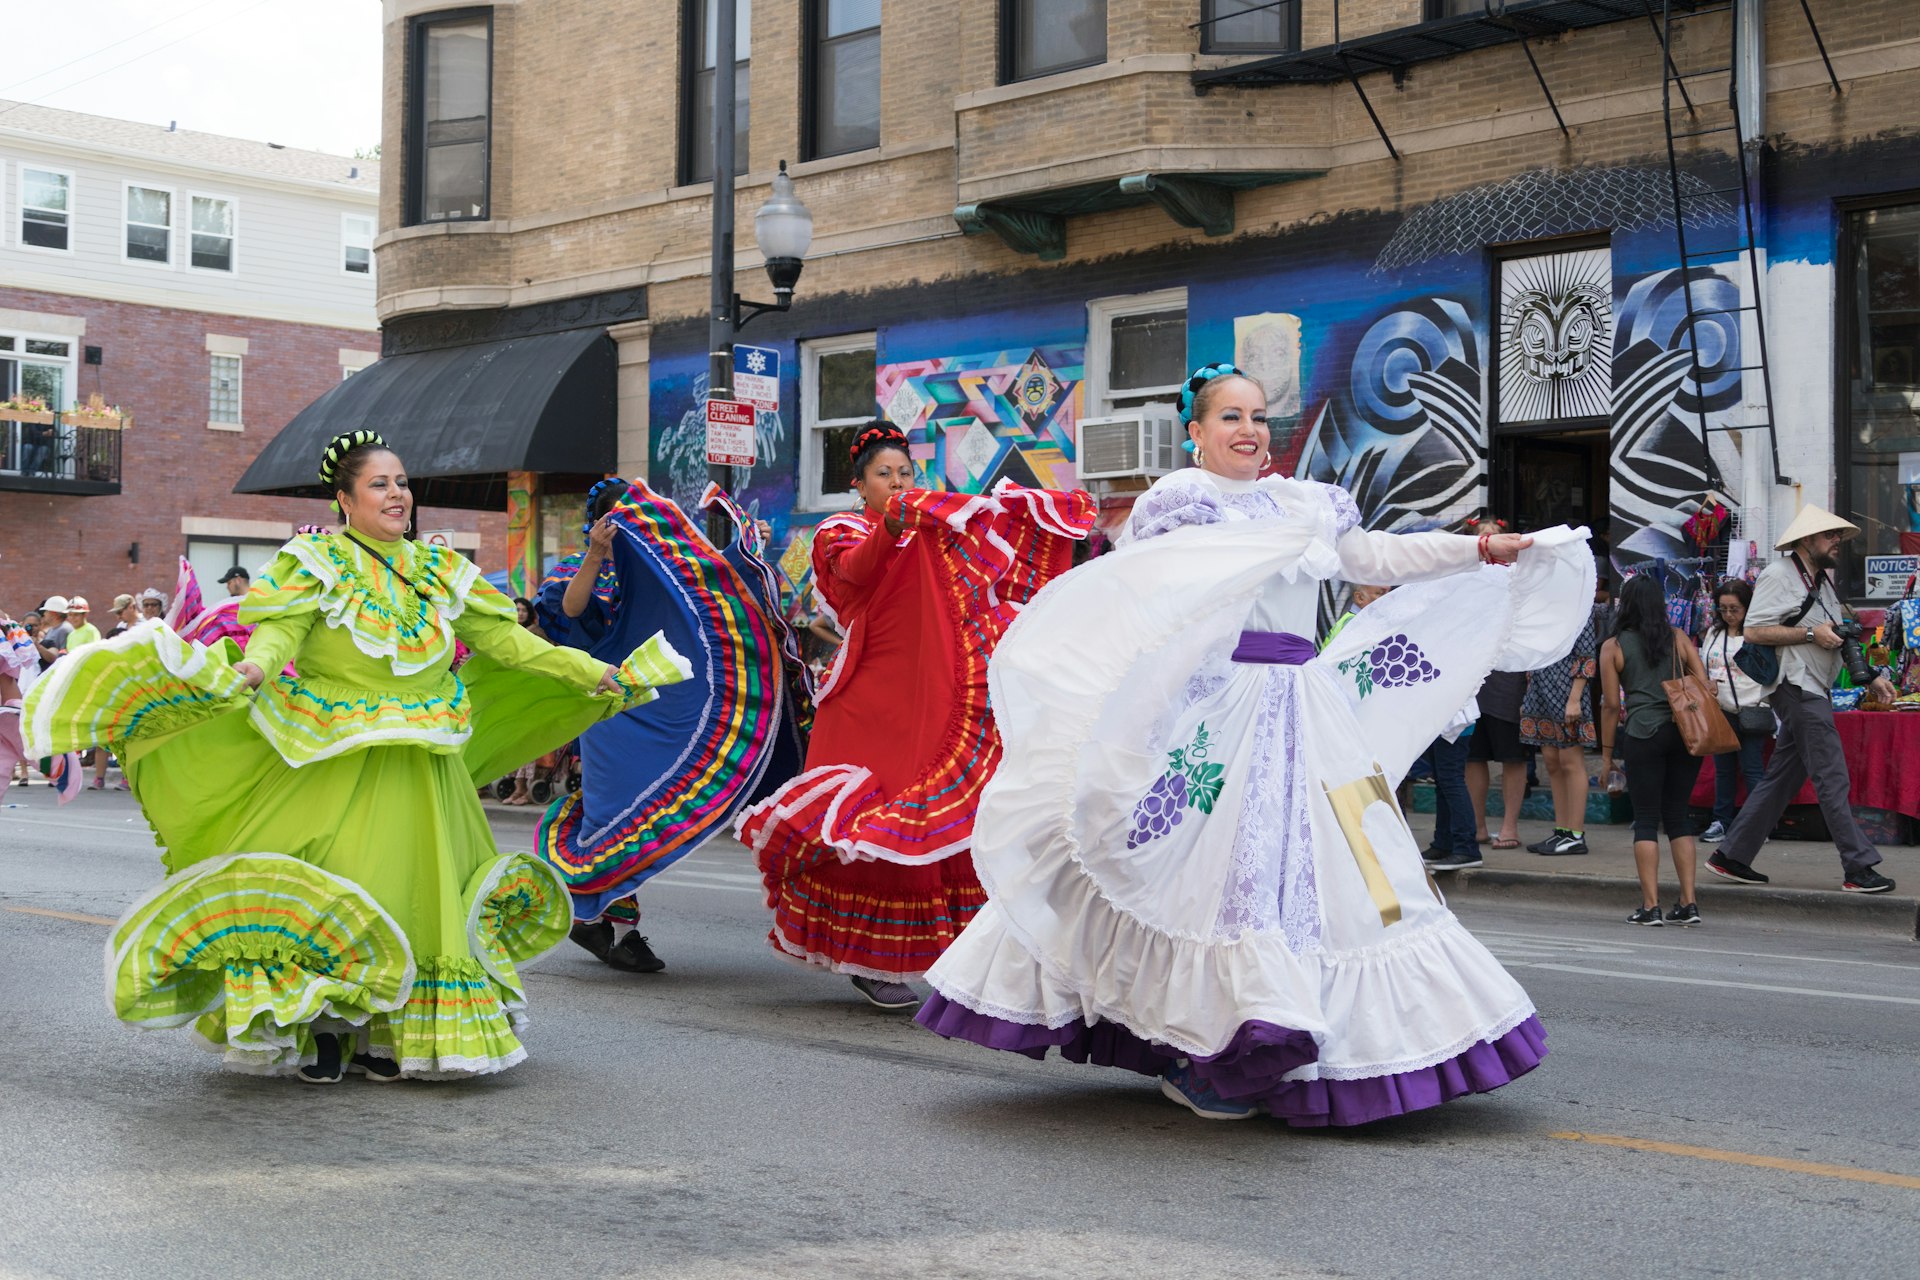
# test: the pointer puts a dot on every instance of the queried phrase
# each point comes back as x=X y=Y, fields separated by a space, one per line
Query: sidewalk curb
x=514 y=815
x=1877 y=911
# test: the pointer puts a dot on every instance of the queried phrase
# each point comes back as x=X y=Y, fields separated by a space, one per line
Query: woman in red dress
x=866 y=854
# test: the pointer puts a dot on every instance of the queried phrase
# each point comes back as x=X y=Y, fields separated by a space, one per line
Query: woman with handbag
x=1647 y=651
x=1742 y=698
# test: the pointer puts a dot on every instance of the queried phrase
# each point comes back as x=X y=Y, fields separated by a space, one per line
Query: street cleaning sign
x=729 y=433
x=1887 y=575
x=756 y=377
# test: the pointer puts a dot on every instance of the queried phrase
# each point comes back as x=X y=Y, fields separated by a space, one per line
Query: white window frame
x=173 y=207
x=354 y=359
x=69 y=382
x=239 y=391
x=812 y=459
x=1101 y=313
x=19 y=221
x=347 y=242
x=233 y=245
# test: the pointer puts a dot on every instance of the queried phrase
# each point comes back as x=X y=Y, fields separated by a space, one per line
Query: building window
x=1040 y=37
x=1249 y=26
x=356 y=244
x=223 y=391
x=1456 y=9
x=836 y=399
x=46 y=209
x=36 y=369
x=212 y=233
x=1136 y=351
x=449 y=118
x=1879 y=464
x=696 y=108
x=212 y=557
x=149 y=225
x=844 y=74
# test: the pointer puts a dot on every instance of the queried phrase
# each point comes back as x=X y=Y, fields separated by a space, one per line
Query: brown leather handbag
x=1696 y=712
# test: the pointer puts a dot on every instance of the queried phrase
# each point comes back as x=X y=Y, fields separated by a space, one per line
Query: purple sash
x=1273 y=648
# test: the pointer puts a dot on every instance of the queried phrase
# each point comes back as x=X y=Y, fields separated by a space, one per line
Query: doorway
x=1544 y=478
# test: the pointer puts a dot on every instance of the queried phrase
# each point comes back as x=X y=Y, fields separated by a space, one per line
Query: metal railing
x=60 y=454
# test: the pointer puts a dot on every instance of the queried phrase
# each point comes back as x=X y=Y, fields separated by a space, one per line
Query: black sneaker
x=1543 y=846
x=1431 y=854
x=1566 y=845
x=378 y=1070
x=1684 y=913
x=1727 y=869
x=327 y=1066
x=887 y=995
x=596 y=936
x=1648 y=916
x=632 y=955
x=1866 y=881
x=1454 y=862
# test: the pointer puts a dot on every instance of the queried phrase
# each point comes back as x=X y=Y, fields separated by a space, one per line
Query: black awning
x=462 y=418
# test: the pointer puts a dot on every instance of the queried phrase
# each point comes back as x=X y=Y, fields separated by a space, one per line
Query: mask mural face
x=1557 y=335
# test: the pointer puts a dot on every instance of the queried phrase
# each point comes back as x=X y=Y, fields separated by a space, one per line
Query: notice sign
x=756 y=377
x=729 y=433
x=1887 y=575
x=439 y=538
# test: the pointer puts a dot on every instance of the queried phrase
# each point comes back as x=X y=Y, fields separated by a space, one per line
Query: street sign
x=756 y=377
x=729 y=433
x=1887 y=575
x=438 y=538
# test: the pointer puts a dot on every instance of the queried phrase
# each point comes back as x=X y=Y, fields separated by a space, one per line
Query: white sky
x=303 y=73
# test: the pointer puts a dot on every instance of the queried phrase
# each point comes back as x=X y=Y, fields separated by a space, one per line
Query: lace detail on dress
x=1346 y=512
x=1271 y=884
x=1165 y=508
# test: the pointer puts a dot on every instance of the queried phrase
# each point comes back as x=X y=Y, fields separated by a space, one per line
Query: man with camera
x=1797 y=613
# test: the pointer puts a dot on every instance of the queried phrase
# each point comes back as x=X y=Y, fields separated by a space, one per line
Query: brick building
x=207 y=286
x=1442 y=231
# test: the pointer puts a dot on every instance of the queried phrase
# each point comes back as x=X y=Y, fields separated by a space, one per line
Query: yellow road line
x=75 y=916
x=1746 y=1158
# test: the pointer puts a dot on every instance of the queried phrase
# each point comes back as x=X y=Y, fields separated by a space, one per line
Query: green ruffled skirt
x=360 y=894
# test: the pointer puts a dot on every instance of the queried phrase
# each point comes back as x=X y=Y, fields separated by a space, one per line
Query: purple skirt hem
x=1252 y=1066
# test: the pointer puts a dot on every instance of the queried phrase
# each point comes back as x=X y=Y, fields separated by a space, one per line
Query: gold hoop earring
x=1199 y=456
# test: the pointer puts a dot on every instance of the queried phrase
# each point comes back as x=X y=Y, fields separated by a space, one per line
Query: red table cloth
x=1883 y=761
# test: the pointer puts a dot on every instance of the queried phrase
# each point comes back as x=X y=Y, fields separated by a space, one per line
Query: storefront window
x=1882 y=449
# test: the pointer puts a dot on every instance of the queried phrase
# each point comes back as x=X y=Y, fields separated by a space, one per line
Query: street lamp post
x=783 y=228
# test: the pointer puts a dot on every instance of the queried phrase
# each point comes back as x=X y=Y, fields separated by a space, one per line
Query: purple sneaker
x=1180 y=1085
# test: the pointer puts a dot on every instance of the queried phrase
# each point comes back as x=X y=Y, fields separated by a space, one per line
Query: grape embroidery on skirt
x=1190 y=782
x=1394 y=663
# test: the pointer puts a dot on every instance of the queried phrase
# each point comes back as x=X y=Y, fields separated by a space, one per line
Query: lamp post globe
x=783 y=228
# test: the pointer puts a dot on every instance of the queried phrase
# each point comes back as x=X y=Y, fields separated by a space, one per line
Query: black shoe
x=632 y=955
x=1454 y=862
x=1866 y=881
x=1727 y=869
x=1553 y=838
x=378 y=1070
x=1565 y=846
x=1684 y=913
x=596 y=936
x=327 y=1067
x=1647 y=915
x=887 y=995
x=1431 y=854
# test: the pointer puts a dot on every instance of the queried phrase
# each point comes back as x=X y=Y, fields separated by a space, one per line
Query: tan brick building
x=1448 y=249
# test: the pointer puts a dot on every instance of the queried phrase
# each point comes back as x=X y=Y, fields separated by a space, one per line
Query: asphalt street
x=1733 y=1100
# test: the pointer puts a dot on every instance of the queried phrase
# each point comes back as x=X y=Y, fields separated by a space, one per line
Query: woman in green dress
x=334 y=899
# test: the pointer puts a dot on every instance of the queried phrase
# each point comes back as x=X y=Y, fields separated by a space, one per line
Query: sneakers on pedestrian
x=887 y=995
x=1684 y=913
x=632 y=955
x=596 y=936
x=1454 y=862
x=1553 y=838
x=1716 y=832
x=377 y=1070
x=327 y=1066
x=1566 y=845
x=1727 y=869
x=1866 y=881
x=1648 y=916
x=1180 y=1085
x=1431 y=855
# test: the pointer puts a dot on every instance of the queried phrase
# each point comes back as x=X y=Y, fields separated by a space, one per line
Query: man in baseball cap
x=1796 y=610
x=53 y=639
x=236 y=580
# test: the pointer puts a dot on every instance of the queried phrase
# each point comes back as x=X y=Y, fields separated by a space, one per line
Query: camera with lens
x=1853 y=653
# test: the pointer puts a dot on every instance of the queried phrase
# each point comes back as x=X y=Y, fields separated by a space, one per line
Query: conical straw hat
x=1812 y=520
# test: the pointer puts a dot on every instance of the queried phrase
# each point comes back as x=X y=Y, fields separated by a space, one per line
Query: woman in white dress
x=1195 y=865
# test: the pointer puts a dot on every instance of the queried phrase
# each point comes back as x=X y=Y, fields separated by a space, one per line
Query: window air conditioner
x=1131 y=444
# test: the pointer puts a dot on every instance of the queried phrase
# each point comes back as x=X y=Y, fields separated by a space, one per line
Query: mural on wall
x=679 y=463
x=975 y=420
x=1556 y=337
x=1267 y=346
